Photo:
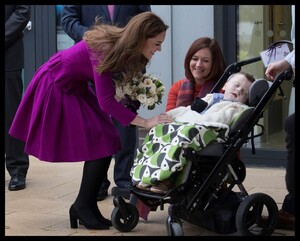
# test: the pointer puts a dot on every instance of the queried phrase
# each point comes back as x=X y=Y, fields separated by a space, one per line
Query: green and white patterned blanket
x=162 y=151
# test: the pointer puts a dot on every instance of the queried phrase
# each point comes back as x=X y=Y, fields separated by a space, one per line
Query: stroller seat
x=208 y=156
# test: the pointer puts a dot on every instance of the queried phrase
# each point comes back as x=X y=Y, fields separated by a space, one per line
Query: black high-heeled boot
x=89 y=224
x=85 y=207
x=100 y=218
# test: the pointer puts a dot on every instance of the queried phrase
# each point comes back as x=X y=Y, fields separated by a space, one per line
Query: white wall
x=161 y=62
x=186 y=23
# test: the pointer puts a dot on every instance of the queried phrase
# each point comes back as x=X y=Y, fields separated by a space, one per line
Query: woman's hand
x=158 y=119
x=149 y=123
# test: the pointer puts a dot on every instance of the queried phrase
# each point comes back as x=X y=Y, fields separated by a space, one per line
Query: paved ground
x=42 y=208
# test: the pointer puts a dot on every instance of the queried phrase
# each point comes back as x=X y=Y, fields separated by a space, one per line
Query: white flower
x=148 y=90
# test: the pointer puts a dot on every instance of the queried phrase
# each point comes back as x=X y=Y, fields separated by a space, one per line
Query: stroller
x=199 y=198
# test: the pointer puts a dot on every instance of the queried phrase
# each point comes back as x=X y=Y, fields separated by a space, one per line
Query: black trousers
x=124 y=158
x=17 y=162
x=289 y=200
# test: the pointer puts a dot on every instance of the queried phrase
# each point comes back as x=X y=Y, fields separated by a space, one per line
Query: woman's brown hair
x=120 y=48
x=218 y=62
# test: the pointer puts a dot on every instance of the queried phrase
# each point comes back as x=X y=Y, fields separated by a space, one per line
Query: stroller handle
x=272 y=45
x=237 y=66
x=285 y=75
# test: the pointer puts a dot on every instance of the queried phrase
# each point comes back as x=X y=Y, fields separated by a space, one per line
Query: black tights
x=92 y=178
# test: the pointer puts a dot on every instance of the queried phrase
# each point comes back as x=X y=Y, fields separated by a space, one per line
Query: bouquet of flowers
x=146 y=89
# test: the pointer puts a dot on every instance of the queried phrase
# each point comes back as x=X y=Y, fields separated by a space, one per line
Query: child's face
x=237 y=88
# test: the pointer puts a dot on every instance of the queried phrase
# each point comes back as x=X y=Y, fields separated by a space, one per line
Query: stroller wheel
x=174 y=228
x=249 y=216
x=127 y=223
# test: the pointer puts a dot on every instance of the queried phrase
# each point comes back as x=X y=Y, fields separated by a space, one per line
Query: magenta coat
x=61 y=119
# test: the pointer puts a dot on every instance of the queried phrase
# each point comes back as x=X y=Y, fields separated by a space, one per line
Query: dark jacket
x=16 y=19
x=76 y=19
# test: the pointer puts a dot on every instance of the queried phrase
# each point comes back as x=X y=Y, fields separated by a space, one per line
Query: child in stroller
x=198 y=196
x=215 y=110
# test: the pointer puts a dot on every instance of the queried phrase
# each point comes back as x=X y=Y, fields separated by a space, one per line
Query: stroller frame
x=199 y=203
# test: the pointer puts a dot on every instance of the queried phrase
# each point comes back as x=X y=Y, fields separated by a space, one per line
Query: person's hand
x=149 y=123
x=158 y=119
x=275 y=68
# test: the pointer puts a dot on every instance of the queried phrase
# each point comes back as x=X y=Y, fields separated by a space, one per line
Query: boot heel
x=73 y=222
x=92 y=223
x=73 y=219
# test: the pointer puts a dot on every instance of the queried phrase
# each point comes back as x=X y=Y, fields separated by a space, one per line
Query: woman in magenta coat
x=62 y=119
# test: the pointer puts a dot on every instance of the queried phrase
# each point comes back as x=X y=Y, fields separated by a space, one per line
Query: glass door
x=258 y=27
